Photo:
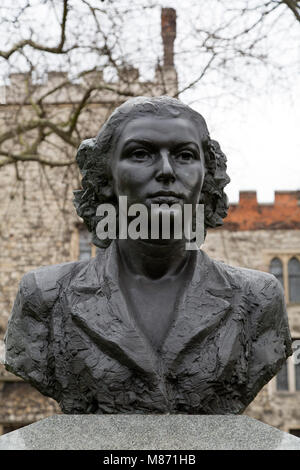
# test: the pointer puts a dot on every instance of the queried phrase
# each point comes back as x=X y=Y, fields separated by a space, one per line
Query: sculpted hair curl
x=94 y=154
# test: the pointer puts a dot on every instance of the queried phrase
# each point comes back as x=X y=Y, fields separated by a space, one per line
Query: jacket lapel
x=202 y=307
x=99 y=309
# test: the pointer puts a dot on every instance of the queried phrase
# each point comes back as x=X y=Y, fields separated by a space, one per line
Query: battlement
x=57 y=88
x=248 y=214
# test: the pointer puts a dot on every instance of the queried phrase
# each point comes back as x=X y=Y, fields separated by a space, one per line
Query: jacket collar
x=99 y=308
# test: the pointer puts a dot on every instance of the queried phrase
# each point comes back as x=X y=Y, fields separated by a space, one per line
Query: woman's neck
x=153 y=260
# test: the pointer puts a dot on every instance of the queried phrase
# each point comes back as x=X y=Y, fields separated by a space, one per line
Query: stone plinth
x=148 y=432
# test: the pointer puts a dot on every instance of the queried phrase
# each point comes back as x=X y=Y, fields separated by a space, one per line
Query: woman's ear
x=108 y=191
x=103 y=185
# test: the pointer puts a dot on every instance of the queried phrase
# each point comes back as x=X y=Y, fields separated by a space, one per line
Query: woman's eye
x=185 y=156
x=140 y=155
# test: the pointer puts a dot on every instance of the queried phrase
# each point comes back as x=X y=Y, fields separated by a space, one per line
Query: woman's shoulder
x=257 y=282
x=260 y=299
x=44 y=282
x=27 y=344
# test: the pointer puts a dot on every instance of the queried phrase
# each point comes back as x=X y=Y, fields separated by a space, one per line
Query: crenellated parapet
x=58 y=88
x=248 y=214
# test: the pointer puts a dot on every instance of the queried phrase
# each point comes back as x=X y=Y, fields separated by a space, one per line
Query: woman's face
x=158 y=160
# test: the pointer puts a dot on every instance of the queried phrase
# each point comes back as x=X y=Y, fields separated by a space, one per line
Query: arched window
x=294 y=280
x=282 y=383
x=288 y=378
x=276 y=269
x=85 y=245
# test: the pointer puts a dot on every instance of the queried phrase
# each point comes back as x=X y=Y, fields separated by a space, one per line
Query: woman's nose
x=165 y=170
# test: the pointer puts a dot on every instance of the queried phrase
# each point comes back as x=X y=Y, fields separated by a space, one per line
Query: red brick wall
x=248 y=214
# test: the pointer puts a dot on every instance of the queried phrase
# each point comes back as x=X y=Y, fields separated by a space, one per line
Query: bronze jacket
x=72 y=337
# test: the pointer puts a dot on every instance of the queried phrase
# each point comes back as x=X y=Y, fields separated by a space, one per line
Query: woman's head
x=198 y=175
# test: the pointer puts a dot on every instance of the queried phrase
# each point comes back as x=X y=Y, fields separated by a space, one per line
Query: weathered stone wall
x=21 y=404
x=251 y=249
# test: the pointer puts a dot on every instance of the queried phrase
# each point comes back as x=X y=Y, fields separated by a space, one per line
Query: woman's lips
x=167 y=194
x=165 y=199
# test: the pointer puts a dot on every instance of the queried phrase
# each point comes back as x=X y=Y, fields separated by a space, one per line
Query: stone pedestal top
x=148 y=432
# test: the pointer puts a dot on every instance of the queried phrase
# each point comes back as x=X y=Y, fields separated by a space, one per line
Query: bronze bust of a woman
x=147 y=326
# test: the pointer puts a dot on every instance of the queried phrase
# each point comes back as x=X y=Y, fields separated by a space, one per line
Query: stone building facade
x=267 y=237
x=39 y=226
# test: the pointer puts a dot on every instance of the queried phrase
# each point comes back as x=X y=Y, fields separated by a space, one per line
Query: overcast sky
x=261 y=140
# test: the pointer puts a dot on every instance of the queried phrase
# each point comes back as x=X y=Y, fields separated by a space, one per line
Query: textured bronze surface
x=199 y=337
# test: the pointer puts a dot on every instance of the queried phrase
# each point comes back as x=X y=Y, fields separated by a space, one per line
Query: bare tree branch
x=28 y=42
x=38 y=119
x=12 y=158
x=294 y=6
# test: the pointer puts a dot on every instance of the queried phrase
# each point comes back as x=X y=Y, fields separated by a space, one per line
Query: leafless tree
x=53 y=42
x=84 y=39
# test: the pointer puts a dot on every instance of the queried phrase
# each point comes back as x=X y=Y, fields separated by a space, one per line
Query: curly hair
x=94 y=154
